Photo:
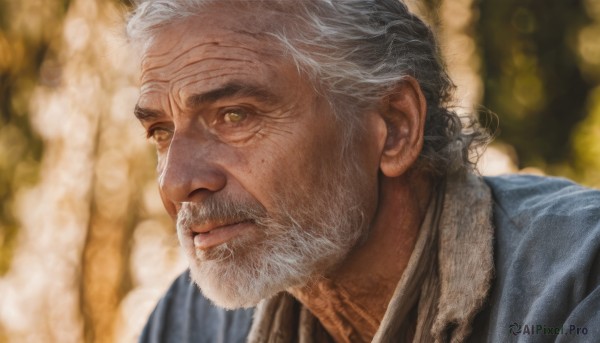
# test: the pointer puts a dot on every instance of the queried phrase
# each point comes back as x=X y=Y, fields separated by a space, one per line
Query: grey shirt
x=547 y=274
x=547 y=260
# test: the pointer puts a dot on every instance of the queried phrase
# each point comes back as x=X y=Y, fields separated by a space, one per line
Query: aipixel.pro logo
x=539 y=329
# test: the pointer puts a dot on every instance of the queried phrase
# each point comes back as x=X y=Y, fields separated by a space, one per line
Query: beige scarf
x=446 y=280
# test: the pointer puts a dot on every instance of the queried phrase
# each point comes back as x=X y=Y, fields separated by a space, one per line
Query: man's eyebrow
x=230 y=90
x=145 y=114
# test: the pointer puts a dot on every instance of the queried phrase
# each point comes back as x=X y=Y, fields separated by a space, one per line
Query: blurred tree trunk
x=454 y=22
x=116 y=186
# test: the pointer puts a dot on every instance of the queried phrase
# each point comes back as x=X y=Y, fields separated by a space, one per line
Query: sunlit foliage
x=25 y=43
x=80 y=219
x=541 y=65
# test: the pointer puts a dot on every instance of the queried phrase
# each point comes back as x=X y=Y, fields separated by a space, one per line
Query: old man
x=323 y=191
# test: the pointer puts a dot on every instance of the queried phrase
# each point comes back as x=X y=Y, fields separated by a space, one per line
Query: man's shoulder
x=522 y=193
x=185 y=315
x=543 y=222
x=529 y=205
x=546 y=253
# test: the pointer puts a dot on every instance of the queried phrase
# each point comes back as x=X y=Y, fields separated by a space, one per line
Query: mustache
x=220 y=209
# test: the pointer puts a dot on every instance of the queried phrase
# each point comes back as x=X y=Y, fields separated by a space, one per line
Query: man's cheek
x=169 y=206
x=172 y=209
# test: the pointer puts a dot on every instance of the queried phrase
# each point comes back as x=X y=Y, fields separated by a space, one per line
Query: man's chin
x=232 y=277
x=248 y=269
x=228 y=289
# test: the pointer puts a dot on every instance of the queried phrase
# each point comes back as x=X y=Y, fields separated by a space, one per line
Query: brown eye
x=159 y=135
x=235 y=124
x=234 y=116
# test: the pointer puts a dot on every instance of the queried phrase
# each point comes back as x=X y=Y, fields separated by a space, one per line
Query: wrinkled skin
x=232 y=121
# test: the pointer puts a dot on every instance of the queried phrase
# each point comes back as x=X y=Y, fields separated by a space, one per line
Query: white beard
x=305 y=237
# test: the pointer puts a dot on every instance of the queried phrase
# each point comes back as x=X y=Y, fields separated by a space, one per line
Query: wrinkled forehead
x=217 y=23
x=207 y=48
x=185 y=42
x=209 y=51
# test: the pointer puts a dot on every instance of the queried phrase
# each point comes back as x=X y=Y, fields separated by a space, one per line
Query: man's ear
x=404 y=112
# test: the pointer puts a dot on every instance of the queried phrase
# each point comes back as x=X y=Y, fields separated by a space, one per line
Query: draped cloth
x=444 y=285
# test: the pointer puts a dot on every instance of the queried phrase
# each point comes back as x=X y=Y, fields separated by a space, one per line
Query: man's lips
x=208 y=237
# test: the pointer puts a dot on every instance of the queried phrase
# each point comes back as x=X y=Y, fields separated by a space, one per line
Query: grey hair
x=356 y=52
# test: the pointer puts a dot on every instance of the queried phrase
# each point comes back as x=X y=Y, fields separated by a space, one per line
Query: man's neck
x=351 y=302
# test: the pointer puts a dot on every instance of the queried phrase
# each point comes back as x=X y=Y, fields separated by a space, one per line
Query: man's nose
x=188 y=173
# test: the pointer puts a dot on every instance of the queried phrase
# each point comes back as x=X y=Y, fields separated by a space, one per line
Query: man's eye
x=159 y=135
x=234 y=116
x=236 y=123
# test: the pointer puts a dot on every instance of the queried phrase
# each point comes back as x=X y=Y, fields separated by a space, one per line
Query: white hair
x=356 y=52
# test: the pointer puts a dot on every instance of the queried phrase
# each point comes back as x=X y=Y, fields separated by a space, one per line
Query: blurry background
x=85 y=248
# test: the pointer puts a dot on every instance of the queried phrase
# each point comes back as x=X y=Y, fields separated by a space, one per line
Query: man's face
x=250 y=161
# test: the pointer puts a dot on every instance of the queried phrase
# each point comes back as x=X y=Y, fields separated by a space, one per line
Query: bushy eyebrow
x=232 y=90
x=229 y=90
x=145 y=114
